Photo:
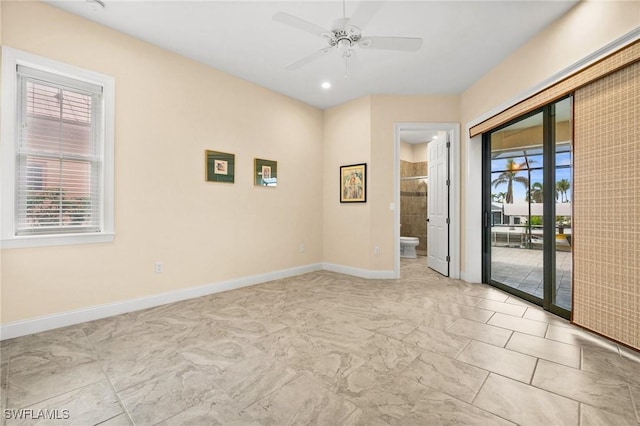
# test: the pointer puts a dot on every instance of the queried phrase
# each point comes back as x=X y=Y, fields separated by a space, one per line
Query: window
x=57 y=153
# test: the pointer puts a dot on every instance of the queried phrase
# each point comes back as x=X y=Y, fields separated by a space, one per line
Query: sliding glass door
x=527 y=207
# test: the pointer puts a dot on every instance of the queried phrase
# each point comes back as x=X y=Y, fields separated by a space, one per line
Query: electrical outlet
x=158 y=267
x=301 y=248
x=376 y=250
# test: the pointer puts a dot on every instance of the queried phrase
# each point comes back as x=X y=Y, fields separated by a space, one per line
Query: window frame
x=11 y=58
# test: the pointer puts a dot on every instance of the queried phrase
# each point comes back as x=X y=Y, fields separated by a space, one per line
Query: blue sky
x=519 y=191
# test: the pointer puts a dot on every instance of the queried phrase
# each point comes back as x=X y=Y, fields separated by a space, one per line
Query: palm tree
x=499 y=197
x=508 y=177
x=535 y=193
x=562 y=188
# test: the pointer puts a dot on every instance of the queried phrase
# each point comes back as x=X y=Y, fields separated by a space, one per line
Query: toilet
x=408 y=247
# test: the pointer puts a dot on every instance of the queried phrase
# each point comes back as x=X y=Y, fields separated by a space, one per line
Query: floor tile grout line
x=462 y=350
x=124 y=408
x=571 y=398
x=513 y=332
x=478 y=393
x=579 y=413
x=533 y=373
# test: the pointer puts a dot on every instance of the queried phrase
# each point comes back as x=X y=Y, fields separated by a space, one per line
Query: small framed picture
x=219 y=166
x=265 y=172
x=353 y=183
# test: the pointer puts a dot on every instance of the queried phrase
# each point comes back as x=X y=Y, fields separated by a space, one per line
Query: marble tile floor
x=327 y=349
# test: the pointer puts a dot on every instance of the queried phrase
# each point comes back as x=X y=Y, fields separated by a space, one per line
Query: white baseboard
x=78 y=316
x=358 y=272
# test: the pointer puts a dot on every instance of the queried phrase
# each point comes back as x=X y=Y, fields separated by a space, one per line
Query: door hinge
x=448 y=258
x=447 y=221
x=448 y=144
x=448 y=182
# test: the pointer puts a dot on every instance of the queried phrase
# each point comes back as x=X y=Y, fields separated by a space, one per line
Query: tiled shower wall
x=607 y=206
x=413 y=203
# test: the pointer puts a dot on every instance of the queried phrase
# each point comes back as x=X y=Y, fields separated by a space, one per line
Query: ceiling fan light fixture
x=344 y=44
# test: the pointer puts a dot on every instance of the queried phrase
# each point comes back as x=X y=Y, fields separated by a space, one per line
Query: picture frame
x=353 y=183
x=265 y=173
x=219 y=167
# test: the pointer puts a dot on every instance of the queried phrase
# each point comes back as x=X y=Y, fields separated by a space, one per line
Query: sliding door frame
x=549 y=243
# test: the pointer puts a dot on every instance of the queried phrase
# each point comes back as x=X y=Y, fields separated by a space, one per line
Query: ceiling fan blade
x=307 y=59
x=299 y=23
x=364 y=13
x=407 y=44
x=340 y=23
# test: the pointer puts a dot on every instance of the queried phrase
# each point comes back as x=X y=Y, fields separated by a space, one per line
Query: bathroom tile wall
x=413 y=203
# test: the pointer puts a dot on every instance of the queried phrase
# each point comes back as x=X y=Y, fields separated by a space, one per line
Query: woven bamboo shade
x=606 y=206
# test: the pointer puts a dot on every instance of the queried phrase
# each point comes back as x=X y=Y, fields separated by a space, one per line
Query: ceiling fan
x=345 y=35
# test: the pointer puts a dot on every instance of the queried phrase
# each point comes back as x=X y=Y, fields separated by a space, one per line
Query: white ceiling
x=462 y=41
x=414 y=137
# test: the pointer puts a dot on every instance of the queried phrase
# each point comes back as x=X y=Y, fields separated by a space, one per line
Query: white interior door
x=438 y=205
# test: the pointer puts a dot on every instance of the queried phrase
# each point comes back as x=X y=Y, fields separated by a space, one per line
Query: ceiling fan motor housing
x=345 y=37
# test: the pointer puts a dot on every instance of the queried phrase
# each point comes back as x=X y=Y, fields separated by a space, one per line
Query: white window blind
x=58 y=154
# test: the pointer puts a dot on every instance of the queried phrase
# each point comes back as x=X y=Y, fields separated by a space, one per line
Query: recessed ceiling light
x=325 y=85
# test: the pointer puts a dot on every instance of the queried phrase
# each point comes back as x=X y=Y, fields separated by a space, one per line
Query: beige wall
x=406 y=151
x=368 y=124
x=420 y=152
x=386 y=111
x=168 y=111
x=347 y=140
x=413 y=152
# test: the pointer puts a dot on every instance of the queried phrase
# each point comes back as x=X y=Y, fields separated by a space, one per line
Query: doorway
x=442 y=235
x=527 y=207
